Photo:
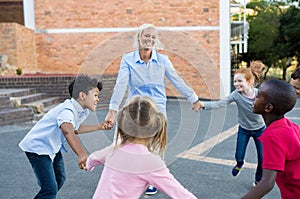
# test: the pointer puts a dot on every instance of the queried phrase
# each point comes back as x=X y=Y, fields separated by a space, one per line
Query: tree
x=288 y=42
x=263 y=32
x=289 y=30
x=274 y=33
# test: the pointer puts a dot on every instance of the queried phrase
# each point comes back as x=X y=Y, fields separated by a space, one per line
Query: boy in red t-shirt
x=281 y=140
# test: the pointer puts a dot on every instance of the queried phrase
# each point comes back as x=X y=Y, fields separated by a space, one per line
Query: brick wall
x=53 y=85
x=18 y=43
x=195 y=54
x=197 y=67
x=120 y=13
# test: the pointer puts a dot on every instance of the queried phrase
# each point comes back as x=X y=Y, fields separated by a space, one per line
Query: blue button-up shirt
x=148 y=80
x=46 y=137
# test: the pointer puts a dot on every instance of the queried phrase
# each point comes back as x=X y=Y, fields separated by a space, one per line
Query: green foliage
x=264 y=31
x=289 y=31
x=235 y=17
x=274 y=34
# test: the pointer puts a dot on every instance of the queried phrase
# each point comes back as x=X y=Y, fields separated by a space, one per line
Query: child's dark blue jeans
x=241 y=145
x=50 y=175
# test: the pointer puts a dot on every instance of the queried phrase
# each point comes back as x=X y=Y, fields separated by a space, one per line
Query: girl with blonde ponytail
x=131 y=165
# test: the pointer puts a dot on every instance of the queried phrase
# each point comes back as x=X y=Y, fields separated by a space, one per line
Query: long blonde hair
x=137 y=40
x=140 y=119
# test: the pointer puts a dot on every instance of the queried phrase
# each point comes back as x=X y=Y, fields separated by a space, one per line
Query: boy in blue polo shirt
x=45 y=141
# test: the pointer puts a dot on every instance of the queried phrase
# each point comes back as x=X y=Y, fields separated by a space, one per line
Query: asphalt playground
x=200 y=155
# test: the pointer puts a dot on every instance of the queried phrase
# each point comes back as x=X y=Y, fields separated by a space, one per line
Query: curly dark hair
x=296 y=74
x=83 y=83
x=280 y=94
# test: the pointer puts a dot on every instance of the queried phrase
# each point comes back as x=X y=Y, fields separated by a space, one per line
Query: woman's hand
x=106 y=125
x=196 y=106
x=110 y=119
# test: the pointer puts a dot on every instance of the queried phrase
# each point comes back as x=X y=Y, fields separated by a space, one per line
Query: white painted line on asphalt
x=211 y=142
x=216 y=160
x=195 y=152
x=293 y=118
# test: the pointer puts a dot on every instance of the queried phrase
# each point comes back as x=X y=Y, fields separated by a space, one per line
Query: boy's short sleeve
x=274 y=153
x=65 y=115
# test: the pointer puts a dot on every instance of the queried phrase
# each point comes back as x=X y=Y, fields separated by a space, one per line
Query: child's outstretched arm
x=166 y=182
x=86 y=128
x=208 y=105
x=72 y=139
x=264 y=186
x=98 y=157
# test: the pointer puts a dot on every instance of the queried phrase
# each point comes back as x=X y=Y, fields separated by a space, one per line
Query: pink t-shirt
x=281 y=150
x=129 y=170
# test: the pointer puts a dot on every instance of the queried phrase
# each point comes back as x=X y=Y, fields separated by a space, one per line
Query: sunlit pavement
x=200 y=155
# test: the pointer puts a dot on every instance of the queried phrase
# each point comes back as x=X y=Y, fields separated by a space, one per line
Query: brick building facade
x=69 y=37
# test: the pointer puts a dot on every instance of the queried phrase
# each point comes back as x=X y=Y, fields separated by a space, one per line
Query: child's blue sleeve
x=67 y=116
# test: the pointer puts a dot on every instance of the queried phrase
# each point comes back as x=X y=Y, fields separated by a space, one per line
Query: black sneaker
x=236 y=170
x=151 y=190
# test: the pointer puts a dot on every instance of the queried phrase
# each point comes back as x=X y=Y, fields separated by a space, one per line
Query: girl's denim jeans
x=50 y=175
x=241 y=145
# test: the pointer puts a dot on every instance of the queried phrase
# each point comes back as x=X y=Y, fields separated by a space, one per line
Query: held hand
x=82 y=161
x=110 y=119
x=106 y=125
x=197 y=106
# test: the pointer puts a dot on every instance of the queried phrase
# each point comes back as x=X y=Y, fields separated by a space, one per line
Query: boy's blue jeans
x=50 y=175
x=241 y=145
